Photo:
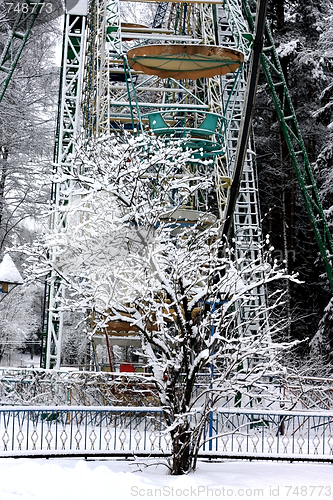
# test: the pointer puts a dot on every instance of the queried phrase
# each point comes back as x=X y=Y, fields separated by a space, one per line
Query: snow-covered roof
x=9 y=272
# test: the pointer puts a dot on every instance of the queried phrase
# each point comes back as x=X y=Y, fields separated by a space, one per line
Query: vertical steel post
x=68 y=130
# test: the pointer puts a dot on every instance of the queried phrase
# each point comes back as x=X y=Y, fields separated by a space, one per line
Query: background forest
x=303 y=33
x=27 y=130
x=303 y=36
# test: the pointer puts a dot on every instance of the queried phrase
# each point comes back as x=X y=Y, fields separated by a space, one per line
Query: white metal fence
x=127 y=431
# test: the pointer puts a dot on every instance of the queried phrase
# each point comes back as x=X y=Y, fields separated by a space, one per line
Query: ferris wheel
x=183 y=78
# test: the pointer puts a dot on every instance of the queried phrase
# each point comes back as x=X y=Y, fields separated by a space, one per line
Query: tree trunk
x=280 y=14
x=182 y=453
x=4 y=169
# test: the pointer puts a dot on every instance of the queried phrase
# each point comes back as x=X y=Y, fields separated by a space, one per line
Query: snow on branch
x=138 y=245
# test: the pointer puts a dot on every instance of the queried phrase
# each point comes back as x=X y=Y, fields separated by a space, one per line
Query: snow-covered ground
x=17 y=359
x=72 y=479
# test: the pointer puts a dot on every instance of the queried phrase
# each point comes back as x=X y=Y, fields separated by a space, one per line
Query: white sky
x=58 y=48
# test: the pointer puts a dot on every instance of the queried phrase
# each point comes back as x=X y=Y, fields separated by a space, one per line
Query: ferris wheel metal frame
x=115 y=95
x=100 y=90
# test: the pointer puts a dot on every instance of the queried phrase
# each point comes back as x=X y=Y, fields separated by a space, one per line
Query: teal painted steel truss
x=292 y=135
x=16 y=42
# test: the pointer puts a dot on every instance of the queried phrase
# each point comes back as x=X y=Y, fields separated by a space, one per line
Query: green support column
x=289 y=125
x=16 y=43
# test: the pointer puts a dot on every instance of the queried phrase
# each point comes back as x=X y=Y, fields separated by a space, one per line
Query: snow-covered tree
x=322 y=343
x=27 y=123
x=20 y=319
x=141 y=247
x=302 y=34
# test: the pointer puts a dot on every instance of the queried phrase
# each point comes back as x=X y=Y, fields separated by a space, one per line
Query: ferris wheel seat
x=181 y=125
x=209 y=125
x=157 y=123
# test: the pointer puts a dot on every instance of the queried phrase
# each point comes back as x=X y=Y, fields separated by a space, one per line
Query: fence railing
x=271 y=434
x=124 y=431
x=57 y=388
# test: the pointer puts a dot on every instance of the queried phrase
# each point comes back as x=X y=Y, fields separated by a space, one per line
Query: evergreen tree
x=299 y=29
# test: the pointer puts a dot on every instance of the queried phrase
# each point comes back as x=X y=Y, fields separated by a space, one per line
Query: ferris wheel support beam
x=67 y=132
x=16 y=42
x=289 y=125
x=248 y=111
